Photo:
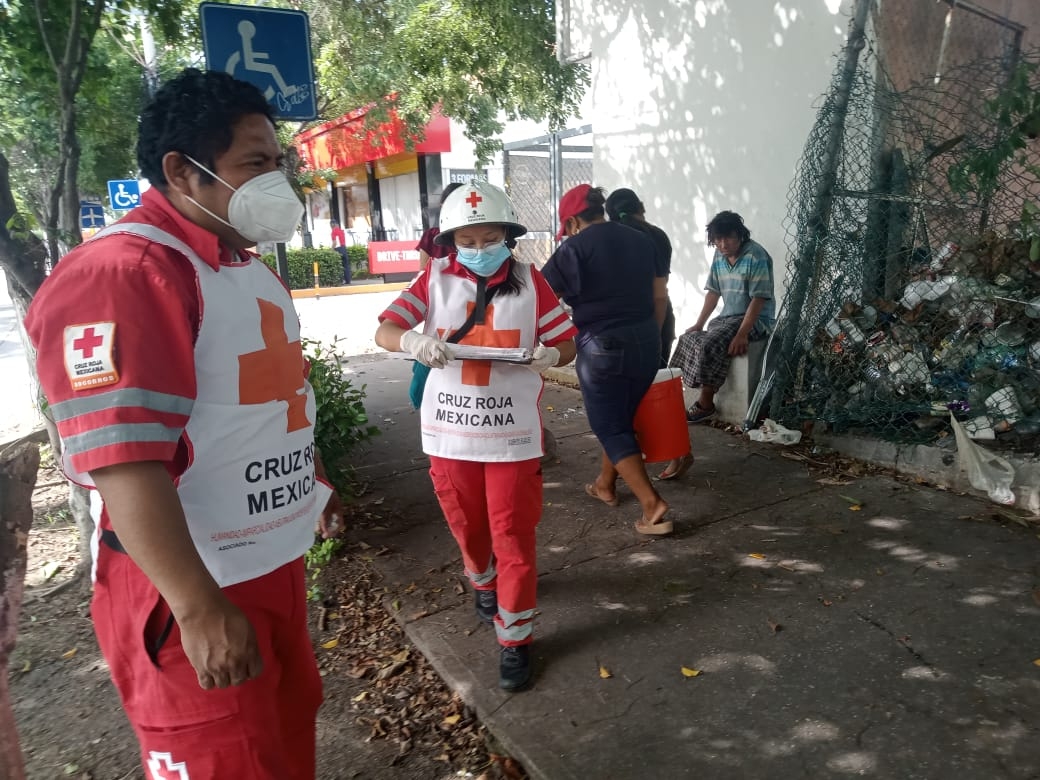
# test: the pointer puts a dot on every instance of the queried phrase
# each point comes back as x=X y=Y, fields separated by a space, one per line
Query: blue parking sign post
x=124 y=194
x=268 y=47
x=91 y=215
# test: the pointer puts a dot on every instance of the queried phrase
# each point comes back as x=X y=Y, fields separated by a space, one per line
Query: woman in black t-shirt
x=624 y=206
x=618 y=306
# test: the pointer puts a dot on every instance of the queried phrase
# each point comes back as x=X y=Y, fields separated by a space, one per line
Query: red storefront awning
x=345 y=141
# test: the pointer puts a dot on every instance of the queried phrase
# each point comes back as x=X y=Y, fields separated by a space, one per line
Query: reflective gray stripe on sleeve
x=127 y=433
x=559 y=330
x=418 y=304
x=545 y=319
x=404 y=314
x=113 y=399
x=483 y=578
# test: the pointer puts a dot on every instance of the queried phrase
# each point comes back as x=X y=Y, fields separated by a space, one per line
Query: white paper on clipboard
x=504 y=354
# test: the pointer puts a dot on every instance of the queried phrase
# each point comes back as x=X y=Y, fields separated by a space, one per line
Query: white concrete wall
x=399 y=197
x=705 y=105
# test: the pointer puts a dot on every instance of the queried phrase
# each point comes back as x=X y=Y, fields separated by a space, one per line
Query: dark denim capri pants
x=615 y=369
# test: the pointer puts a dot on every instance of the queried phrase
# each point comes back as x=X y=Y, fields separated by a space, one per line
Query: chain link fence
x=537 y=172
x=914 y=234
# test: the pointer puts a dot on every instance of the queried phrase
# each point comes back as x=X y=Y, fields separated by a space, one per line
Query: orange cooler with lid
x=660 y=421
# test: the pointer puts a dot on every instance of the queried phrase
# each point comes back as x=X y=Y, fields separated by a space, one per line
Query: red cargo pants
x=263 y=729
x=492 y=510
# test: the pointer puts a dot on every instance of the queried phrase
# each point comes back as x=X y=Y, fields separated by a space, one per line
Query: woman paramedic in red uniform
x=480 y=422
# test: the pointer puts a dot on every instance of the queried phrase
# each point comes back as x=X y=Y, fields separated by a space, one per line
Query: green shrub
x=358 y=255
x=301 y=267
x=341 y=424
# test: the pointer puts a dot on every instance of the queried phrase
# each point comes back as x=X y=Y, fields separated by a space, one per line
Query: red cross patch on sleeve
x=88 y=355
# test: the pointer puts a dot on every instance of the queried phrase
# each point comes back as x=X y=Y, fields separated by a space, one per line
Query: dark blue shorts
x=615 y=369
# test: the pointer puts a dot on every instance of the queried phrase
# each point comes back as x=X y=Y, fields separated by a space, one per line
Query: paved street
x=800 y=623
x=19 y=415
x=349 y=320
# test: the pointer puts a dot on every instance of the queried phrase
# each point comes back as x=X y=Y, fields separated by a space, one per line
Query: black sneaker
x=514 y=668
x=486 y=602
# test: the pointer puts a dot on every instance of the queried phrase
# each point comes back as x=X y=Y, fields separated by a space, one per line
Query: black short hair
x=623 y=203
x=595 y=199
x=194 y=113
x=727 y=223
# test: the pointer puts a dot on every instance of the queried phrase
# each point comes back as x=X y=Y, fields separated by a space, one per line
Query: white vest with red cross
x=478 y=409
x=250 y=494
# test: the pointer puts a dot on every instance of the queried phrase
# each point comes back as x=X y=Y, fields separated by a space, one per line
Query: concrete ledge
x=734 y=397
x=936 y=465
x=563 y=375
x=353 y=289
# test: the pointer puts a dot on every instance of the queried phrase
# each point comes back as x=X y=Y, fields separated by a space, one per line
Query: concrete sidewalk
x=876 y=628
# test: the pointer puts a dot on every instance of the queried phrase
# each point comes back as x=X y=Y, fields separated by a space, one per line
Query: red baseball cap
x=573 y=202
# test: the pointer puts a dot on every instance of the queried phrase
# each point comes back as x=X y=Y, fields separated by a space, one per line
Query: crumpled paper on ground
x=773 y=432
x=986 y=471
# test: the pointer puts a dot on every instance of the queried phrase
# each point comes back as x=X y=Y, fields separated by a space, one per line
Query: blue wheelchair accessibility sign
x=124 y=194
x=268 y=47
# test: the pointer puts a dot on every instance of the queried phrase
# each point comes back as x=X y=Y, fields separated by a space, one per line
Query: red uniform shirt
x=411 y=306
x=145 y=296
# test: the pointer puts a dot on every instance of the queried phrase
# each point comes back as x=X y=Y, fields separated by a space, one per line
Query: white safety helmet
x=477 y=203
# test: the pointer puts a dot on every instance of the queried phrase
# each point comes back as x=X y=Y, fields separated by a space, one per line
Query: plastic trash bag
x=773 y=432
x=986 y=471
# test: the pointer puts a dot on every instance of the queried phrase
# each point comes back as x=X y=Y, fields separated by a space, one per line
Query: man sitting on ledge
x=741 y=276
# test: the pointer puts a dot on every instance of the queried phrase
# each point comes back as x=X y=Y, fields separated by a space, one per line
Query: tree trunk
x=19 y=464
x=22 y=257
x=68 y=217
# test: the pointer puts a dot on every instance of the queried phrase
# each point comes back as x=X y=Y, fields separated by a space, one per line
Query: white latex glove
x=426 y=349
x=544 y=357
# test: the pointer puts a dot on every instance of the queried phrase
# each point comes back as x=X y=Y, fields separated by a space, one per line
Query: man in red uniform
x=171 y=359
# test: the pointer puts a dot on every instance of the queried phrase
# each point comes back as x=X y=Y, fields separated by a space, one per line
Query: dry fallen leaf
x=451 y=720
x=826 y=602
x=604 y=673
x=69 y=653
x=687 y=672
x=756 y=556
x=855 y=508
x=360 y=697
x=330 y=644
x=1036 y=662
x=27 y=667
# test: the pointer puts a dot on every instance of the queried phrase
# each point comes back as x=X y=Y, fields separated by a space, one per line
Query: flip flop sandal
x=660 y=528
x=590 y=490
x=684 y=465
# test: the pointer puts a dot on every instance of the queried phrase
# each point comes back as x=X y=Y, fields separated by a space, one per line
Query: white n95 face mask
x=265 y=208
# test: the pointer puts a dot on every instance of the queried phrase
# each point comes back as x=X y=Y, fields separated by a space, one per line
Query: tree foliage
x=478 y=60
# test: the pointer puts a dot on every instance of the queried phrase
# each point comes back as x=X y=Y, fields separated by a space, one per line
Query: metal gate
x=537 y=172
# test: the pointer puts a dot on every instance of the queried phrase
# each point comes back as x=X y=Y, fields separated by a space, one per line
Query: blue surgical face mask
x=486 y=260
